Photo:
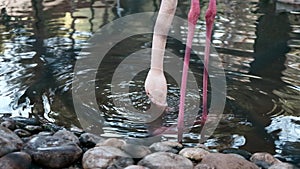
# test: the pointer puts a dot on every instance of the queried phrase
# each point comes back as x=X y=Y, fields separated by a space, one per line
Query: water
x=258 y=42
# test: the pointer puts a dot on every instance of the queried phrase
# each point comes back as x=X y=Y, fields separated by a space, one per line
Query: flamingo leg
x=193 y=16
x=209 y=17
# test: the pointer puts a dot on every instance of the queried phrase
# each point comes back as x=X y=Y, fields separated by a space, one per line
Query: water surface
x=257 y=41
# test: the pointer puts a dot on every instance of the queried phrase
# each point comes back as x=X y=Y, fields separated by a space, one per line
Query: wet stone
x=26 y=139
x=195 y=154
x=165 y=160
x=15 y=160
x=136 y=167
x=240 y=152
x=9 y=141
x=136 y=151
x=45 y=133
x=166 y=146
x=51 y=127
x=121 y=162
x=90 y=140
x=201 y=146
x=264 y=160
x=33 y=128
x=114 y=142
x=52 y=151
x=239 y=156
x=77 y=131
x=105 y=157
x=22 y=133
x=225 y=161
x=67 y=135
x=9 y=123
x=203 y=166
x=282 y=166
x=23 y=121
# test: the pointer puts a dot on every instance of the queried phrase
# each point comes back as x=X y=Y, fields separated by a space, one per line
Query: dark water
x=257 y=41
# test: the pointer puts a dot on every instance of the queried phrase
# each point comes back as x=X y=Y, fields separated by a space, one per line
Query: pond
x=257 y=42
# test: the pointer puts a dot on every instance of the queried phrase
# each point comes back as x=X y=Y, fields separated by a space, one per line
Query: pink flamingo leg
x=209 y=17
x=192 y=18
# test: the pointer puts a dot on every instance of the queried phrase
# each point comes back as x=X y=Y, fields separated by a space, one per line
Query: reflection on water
x=286 y=130
x=258 y=42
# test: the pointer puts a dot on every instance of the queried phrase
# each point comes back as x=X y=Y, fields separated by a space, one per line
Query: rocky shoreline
x=28 y=144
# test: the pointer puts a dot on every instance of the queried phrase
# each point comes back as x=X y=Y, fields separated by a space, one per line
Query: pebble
x=114 y=142
x=67 y=135
x=9 y=141
x=201 y=146
x=165 y=160
x=264 y=160
x=90 y=140
x=77 y=131
x=195 y=154
x=10 y=124
x=136 y=167
x=225 y=161
x=282 y=166
x=136 y=151
x=52 y=151
x=33 y=128
x=104 y=157
x=23 y=121
x=240 y=152
x=45 y=133
x=15 y=160
x=22 y=133
x=203 y=166
x=51 y=127
x=166 y=146
x=52 y=146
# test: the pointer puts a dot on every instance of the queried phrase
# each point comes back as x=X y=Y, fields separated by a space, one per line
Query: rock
x=15 y=160
x=9 y=123
x=136 y=151
x=9 y=141
x=203 y=166
x=282 y=166
x=67 y=135
x=136 y=167
x=225 y=161
x=90 y=140
x=114 y=142
x=72 y=167
x=239 y=156
x=26 y=139
x=51 y=127
x=264 y=160
x=52 y=151
x=121 y=162
x=22 y=133
x=45 y=133
x=201 y=146
x=240 y=152
x=77 y=131
x=23 y=121
x=166 y=146
x=165 y=160
x=104 y=157
x=196 y=154
x=33 y=128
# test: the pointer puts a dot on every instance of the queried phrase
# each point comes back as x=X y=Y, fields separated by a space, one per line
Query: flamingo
x=155 y=83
